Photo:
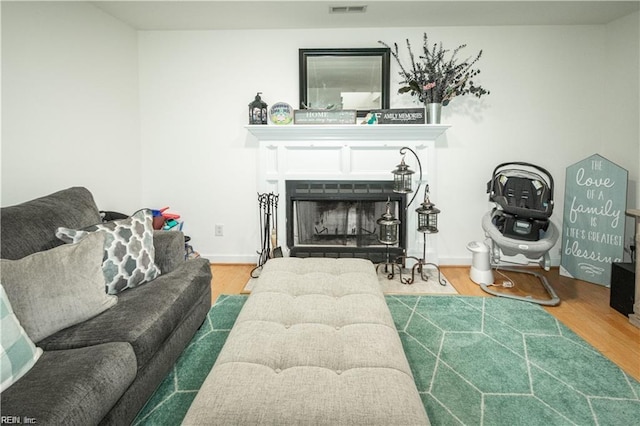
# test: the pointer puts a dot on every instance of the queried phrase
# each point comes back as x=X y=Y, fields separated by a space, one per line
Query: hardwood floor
x=584 y=307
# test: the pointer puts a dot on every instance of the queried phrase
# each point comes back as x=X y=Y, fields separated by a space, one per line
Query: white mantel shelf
x=379 y=132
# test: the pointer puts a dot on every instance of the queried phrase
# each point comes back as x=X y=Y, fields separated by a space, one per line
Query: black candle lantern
x=427 y=215
x=389 y=226
x=402 y=178
x=258 y=111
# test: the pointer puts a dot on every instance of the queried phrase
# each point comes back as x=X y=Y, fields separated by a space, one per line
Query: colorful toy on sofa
x=165 y=220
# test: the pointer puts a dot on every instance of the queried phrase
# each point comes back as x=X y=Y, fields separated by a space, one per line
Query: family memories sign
x=595 y=200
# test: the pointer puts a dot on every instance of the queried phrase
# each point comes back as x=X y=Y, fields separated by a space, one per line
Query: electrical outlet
x=219 y=230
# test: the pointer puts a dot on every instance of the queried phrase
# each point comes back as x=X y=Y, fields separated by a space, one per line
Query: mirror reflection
x=344 y=79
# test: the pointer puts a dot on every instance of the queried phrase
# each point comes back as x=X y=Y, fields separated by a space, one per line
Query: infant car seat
x=524 y=201
x=518 y=226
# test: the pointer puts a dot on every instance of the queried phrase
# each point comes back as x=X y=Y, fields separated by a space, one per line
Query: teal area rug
x=475 y=360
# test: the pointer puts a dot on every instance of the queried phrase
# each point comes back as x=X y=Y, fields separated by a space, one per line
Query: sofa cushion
x=54 y=289
x=170 y=250
x=145 y=316
x=129 y=254
x=74 y=387
x=19 y=353
x=31 y=226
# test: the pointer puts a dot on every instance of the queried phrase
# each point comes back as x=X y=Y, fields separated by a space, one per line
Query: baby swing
x=518 y=227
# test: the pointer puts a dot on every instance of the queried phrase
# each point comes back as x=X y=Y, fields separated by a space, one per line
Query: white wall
x=69 y=104
x=623 y=100
x=543 y=108
x=72 y=76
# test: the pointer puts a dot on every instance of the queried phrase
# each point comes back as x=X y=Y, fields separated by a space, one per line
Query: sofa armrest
x=169 y=247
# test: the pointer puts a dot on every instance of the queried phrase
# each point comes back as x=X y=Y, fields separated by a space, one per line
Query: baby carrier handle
x=490 y=188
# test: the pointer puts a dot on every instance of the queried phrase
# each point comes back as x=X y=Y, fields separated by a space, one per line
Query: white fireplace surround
x=348 y=152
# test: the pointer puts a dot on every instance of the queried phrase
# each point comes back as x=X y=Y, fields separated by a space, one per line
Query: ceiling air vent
x=348 y=9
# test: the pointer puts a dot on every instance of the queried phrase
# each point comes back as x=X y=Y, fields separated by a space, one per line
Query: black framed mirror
x=355 y=78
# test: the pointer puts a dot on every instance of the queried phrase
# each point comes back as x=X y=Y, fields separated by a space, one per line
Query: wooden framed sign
x=313 y=116
x=595 y=200
x=400 y=116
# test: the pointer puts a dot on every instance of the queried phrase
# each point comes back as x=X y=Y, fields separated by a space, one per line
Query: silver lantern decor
x=427 y=215
x=402 y=176
x=389 y=226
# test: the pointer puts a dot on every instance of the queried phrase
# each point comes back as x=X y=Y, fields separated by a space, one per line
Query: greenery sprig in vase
x=436 y=78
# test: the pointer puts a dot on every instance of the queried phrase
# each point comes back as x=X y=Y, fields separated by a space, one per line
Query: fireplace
x=352 y=153
x=331 y=218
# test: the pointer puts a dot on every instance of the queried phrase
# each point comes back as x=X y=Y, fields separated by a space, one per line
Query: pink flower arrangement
x=429 y=86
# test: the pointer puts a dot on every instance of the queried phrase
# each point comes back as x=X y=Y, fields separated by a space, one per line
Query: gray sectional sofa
x=103 y=369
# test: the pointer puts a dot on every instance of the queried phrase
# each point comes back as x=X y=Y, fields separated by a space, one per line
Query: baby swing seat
x=518 y=226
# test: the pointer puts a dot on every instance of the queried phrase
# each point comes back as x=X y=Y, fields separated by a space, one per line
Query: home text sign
x=593 y=223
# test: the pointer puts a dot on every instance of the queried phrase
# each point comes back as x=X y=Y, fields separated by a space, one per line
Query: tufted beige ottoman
x=314 y=344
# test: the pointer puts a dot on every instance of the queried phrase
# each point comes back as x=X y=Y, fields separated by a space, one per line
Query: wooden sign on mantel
x=595 y=200
x=322 y=116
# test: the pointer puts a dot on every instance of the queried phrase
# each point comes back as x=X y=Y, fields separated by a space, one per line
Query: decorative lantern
x=389 y=226
x=258 y=111
x=427 y=215
x=402 y=178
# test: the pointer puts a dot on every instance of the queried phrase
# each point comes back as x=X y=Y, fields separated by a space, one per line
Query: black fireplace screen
x=338 y=218
x=337 y=223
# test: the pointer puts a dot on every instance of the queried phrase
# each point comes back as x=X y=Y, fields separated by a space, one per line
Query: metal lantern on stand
x=427 y=224
x=258 y=111
x=427 y=215
x=388 y=236
x=402 y=178
x=389 y=226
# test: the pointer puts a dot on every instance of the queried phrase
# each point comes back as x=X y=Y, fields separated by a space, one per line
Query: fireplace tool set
x=268 y=215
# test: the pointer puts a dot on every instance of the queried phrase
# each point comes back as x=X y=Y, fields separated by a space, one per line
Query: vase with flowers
x=436 y=78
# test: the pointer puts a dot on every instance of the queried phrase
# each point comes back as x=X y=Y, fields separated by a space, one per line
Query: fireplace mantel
x=345 y=152
x=363 y=132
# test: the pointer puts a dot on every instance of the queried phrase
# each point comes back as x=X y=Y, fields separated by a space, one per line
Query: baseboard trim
x=217 y=258
x=445 y=261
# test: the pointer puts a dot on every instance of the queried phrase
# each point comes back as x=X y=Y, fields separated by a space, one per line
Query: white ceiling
x=264 y=14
